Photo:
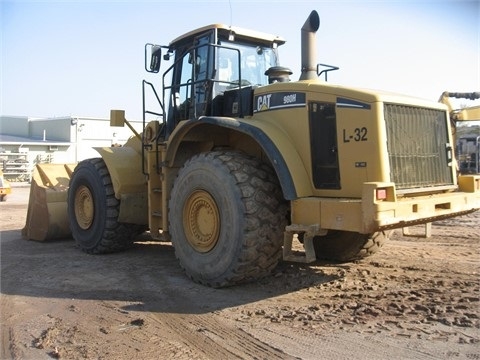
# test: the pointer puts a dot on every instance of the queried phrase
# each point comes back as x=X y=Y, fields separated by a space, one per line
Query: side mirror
x=153 y=58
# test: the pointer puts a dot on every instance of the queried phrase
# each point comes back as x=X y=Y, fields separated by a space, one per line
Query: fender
x=283 y=156
x=130 y=185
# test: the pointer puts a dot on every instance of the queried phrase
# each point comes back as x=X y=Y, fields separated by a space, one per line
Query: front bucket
x=47 y=217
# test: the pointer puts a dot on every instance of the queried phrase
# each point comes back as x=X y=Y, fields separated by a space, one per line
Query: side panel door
x=323 y=142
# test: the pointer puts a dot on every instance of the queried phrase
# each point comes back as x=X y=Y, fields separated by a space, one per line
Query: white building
x=26 y=141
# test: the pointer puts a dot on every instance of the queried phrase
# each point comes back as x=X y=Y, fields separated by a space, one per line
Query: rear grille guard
x=418 y=146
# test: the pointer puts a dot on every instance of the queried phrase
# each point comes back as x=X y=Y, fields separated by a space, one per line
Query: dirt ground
x=418 y=298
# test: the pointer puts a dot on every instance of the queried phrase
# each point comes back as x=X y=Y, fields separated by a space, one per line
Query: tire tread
x=116 y=236
x=265 y=218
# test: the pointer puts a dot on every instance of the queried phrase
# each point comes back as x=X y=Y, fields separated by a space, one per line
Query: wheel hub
x=84 y=207
x=201 y=221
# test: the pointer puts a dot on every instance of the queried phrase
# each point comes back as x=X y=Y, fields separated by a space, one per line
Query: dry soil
x=418 y=298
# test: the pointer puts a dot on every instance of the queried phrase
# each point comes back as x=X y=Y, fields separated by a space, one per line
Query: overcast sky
x=83 y=58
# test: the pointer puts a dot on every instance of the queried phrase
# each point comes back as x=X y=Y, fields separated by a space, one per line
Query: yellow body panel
x=293 y=124
x=352 y=207
x=129 y=183
x=5 y=191
x=291 y=154
x=468 y=114
x=125 y=167
x=469 y=183
x=5 y=187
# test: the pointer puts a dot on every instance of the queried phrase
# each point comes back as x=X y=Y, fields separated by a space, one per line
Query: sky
x=83 y=58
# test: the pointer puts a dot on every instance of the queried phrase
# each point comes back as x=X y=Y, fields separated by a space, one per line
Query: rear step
x=308 y=232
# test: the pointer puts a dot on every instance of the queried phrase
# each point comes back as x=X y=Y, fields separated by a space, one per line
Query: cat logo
x=279 y=100
x=263 y=102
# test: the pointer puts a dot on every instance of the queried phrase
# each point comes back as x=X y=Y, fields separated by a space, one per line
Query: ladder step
x=157 y=213
x=309 y=231
x=157 y=190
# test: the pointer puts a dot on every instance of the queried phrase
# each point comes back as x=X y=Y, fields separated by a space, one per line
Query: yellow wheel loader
x=5 y=187
x=239 y=160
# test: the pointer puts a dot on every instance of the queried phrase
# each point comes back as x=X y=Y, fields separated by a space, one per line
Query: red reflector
x=381 y=194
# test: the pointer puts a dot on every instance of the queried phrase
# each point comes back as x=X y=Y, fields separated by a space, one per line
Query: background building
x=26 y=141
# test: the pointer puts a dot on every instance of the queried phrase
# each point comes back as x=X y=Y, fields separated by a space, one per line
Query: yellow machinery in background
x=5 y=187
x=467 y=149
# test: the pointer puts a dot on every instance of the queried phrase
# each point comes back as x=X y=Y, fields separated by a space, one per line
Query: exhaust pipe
x=309 y=61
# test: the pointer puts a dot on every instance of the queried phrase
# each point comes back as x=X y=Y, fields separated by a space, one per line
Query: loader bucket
x=47 y=217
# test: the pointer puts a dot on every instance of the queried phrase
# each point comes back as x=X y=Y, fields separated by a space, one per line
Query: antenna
x=231 y=14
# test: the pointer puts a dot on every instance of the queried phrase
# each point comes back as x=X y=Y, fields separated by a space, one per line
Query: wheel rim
x=84 y=207
x=201 y=221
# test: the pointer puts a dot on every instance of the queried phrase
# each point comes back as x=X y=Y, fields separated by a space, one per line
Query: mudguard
x=285 y=159
x=129 y=183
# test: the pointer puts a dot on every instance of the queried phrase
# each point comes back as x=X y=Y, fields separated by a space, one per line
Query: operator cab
x=215 y=70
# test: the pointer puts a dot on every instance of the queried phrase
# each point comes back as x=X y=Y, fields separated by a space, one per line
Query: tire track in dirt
x=213 y=339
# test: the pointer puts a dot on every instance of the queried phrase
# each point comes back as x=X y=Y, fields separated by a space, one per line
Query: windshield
x=245 y=62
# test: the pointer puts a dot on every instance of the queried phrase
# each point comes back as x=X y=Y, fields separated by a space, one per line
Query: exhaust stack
x=309 y=61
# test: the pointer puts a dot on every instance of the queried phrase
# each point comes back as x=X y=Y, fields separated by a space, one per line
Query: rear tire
x=345 y=246
x=227 y=217
x=93 y=210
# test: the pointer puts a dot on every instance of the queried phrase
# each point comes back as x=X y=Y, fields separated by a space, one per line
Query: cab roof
x=240 y=34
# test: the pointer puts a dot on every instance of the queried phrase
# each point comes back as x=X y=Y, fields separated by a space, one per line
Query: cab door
x=191 y=81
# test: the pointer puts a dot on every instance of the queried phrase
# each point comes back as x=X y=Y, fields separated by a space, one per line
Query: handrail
x=329 y=68
x=145 y=112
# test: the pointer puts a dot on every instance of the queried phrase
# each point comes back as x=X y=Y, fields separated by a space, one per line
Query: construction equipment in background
x=468 y=154
x=236 y=161
x=5 y=187
x=467 y=143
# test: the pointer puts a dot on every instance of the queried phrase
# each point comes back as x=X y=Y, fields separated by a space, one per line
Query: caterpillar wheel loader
x=239 y=161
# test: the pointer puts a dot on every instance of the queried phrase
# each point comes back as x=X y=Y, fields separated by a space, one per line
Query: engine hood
x=351 y=93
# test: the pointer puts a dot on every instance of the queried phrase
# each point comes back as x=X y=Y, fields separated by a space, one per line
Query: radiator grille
x=417 y=142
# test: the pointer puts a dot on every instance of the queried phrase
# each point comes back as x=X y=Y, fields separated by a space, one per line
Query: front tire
x=227 y=217
x=93 y=210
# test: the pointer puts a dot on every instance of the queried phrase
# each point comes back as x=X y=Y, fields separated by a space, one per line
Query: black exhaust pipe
x=309 y=52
